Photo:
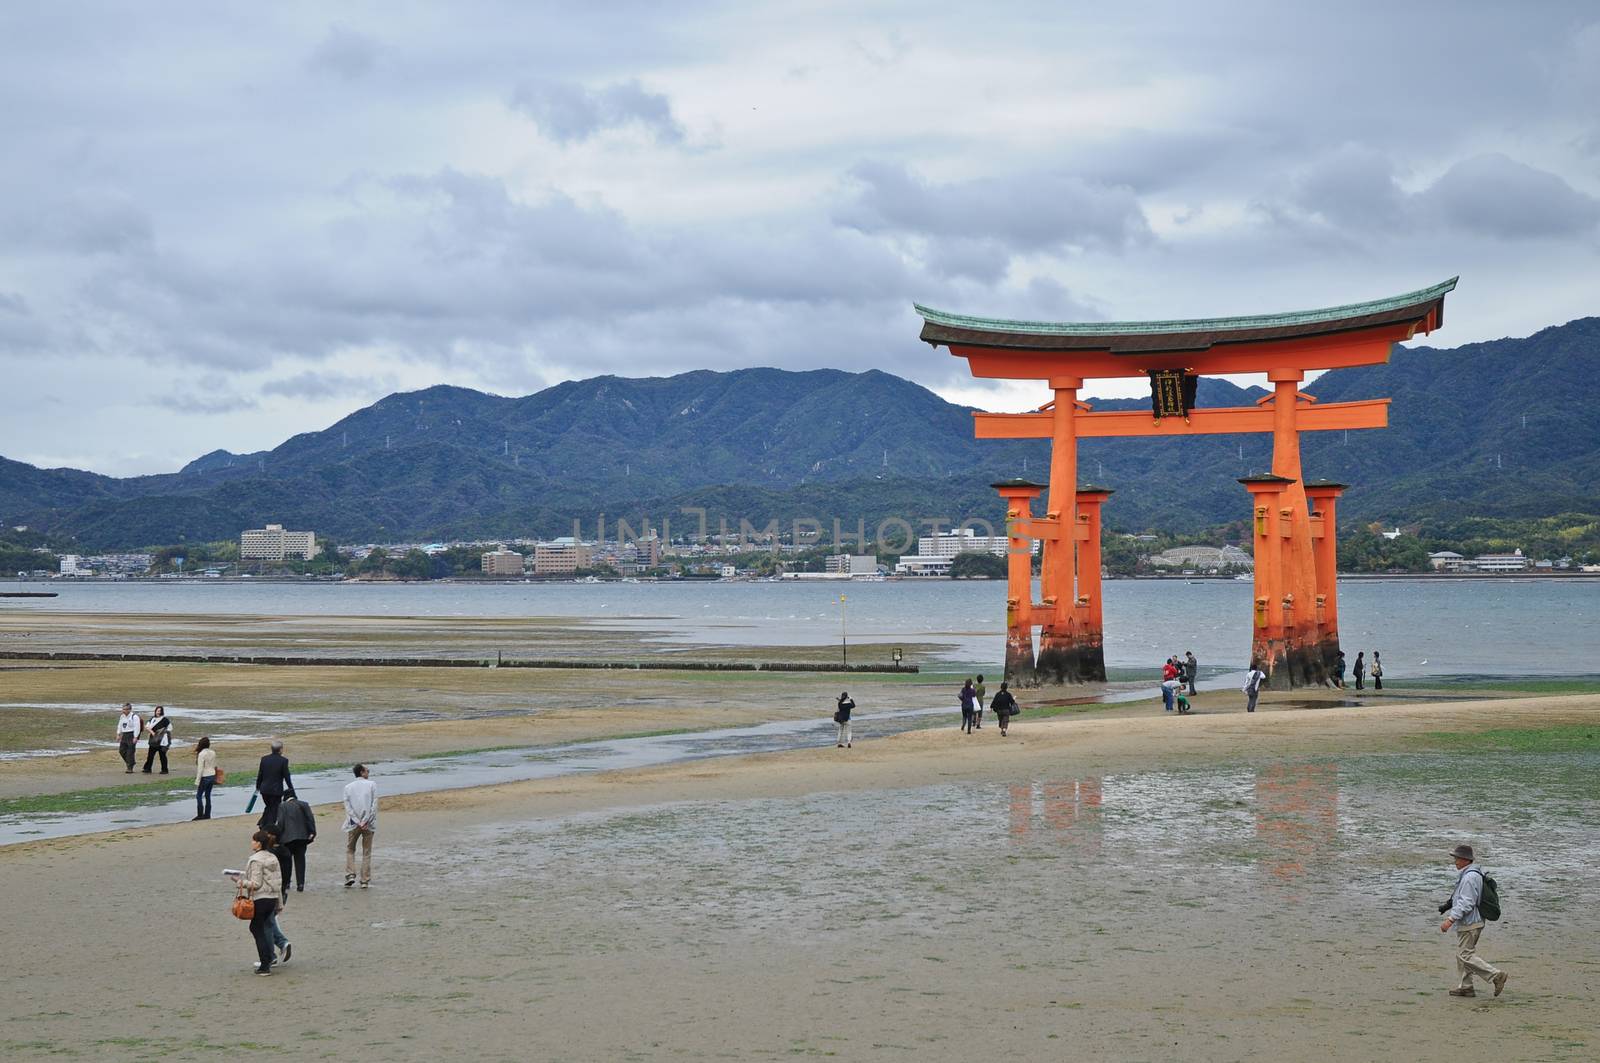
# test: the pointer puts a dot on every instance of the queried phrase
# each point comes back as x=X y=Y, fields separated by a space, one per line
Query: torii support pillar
x=1269 y=641
x=1019 y=496
x=1091 y=618
x=1298 y=576
x=1323 y=497
x=1058 y=639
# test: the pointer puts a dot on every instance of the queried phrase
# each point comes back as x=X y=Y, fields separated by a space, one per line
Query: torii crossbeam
x=1296 y=634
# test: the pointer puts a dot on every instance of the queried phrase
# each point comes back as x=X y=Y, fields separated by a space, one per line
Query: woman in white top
x=260 y=882
x=205 y=777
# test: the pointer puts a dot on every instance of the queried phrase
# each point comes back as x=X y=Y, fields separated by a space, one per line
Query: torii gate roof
x=1418 y=311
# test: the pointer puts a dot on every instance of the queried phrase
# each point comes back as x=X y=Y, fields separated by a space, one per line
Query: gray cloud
x=203 y=404
x=1499 y=197
x=568 y=113
x=1355 y=193
x=321 y=386
x=344 y=53
x=974 y=228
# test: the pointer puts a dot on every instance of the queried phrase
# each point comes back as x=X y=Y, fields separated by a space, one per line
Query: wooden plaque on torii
x=1295 y=614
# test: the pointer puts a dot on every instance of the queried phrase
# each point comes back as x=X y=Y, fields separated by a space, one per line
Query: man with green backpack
x=1475 y=899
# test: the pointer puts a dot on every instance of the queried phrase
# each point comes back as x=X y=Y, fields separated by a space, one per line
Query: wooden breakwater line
x=455 y=662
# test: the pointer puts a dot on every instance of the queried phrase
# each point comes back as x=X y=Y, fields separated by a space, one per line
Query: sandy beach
x=1134 y=886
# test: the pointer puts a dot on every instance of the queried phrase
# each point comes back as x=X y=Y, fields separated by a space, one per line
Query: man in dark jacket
x=1191 y=670
x=272 y=780
x=297 y=828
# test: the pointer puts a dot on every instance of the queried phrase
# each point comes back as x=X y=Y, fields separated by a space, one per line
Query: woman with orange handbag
x=205 y=777
x=259 y=882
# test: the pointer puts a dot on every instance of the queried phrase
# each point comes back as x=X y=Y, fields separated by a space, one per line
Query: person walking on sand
x=280 y=940
x=272 y=781
x=259 y=881
x=360 y=823
x=979 y=694
x=1359 y=669
x=160 y=731
x=296 y=829
x=205 y=777
x=1377 y=672
x=1005 y=707
x=128 y=727
x=1463 y=914
x=841 y=716
x=1252 y=685
x=968 y=698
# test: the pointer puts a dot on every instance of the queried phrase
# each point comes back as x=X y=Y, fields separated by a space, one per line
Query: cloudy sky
x=221 y=224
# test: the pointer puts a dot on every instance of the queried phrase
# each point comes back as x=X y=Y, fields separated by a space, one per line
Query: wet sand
x=1132 y=887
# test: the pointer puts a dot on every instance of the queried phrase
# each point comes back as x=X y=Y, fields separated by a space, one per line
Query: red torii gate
x=1296 y=633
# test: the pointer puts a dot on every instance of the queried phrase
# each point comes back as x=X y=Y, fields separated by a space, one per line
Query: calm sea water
x=1423 y=628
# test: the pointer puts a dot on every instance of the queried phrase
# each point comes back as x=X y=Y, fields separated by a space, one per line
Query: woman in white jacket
x=205 y=777
x=260 y=882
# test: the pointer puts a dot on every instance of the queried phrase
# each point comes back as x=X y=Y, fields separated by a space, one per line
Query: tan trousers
x=1468 y=962
x=351 y=837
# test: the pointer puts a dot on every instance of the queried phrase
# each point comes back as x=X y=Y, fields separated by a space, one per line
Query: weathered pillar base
x=1058 y=658
x=1272 y=657
x=1330 y=656
x=1304 y=663
x=1091 y=658
x=1020 y=669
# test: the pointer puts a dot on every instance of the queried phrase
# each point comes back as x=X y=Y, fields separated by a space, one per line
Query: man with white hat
x=1463 y=914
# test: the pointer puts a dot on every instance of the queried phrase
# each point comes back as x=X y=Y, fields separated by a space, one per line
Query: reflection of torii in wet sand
x=1296 y=635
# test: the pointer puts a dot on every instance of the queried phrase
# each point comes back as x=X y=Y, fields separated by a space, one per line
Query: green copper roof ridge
x=1213 y=324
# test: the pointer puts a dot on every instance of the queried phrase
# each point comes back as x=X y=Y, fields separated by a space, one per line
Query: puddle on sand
x=1363 y=838
x=490 y=768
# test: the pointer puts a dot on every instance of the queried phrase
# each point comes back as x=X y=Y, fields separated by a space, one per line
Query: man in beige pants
x=360 y=822
x=1468 y=921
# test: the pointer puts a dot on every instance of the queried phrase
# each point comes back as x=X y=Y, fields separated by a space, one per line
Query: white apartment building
x=851 y=564
x=502 y=562
x=561 y=557
x=1513 y=562
x=274 y=543
x=962 y=541
x=69 y=565
x=1448 y=561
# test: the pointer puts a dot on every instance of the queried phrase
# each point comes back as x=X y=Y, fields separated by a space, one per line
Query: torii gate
x=1296 y=630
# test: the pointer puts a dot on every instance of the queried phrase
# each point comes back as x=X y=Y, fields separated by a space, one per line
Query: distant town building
x=962 y=541
x=729 y=572
x=274 y=543
x=1448 y=561
x=560 y=557
x=502 y=563
x=935 y=553
x=69 y=566
x=919 y=565
x=851 y=564
x=1512 y=562
x=1203 y=558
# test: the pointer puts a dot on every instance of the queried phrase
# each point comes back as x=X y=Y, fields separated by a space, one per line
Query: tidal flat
x=1135 y=887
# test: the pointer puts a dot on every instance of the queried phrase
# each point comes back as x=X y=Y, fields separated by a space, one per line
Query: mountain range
x=1502 y=428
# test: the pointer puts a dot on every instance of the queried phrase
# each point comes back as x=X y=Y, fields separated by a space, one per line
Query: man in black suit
x=272 y=779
